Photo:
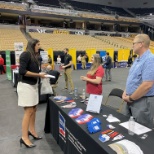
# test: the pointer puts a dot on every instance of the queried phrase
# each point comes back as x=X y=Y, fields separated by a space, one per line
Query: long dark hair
x=31 y=49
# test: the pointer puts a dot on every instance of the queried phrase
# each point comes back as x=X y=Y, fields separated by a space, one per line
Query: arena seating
x=61 y=41
x=9 y=36
x=48 y=2
x=142 y=11
x=11 y=6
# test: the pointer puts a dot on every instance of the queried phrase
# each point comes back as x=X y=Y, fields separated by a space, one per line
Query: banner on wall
x=60 y=32
x=8 y=65
x=103 y=55
x=18 y=48
x=44 y=56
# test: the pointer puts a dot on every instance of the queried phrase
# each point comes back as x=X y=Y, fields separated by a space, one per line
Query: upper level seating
x=98 y=8
x=9 y=36
x=12 y=6
x=108 y=17
x=142 y=11
x=48 y=2
x=117 y=10
x=86 y=6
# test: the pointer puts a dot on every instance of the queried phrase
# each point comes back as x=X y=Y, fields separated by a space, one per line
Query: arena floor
x=11 y=115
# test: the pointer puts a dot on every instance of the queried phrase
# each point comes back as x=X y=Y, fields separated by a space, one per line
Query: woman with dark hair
x=94 y=76
x=28 y=90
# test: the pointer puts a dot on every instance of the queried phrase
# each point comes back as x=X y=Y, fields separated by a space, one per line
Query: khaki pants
x=83 y=65
x=68 y=78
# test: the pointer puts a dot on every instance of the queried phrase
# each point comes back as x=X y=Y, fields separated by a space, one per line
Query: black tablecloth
x=77 y=138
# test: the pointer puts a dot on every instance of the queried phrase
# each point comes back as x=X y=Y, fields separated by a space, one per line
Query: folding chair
x=118 y=93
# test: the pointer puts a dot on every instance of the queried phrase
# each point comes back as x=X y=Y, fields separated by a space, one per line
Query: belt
x=147 y=96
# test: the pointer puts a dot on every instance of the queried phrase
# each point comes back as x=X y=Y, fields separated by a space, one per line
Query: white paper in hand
x=49 y=76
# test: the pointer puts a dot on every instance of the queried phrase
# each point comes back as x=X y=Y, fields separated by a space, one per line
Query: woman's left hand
x=83 y=78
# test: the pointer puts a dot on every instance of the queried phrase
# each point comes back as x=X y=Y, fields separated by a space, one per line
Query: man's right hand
x=124 y=95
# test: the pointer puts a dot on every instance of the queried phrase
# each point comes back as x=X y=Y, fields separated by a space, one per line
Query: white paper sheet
x=94 y=103
x=49 y=76
x=138 y=129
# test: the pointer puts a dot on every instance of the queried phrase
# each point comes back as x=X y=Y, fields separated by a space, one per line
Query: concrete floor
x=11 y=115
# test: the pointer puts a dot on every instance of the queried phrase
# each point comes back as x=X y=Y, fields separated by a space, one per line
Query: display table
x=76 y=138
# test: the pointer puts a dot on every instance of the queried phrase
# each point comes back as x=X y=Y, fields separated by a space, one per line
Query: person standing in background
x=115 y=60
x=1 y=65
x=49 y=60
x=27 y=90
x=68 y=70
x=139 y=92
x=94 y=76
x=108 y=66
x=129 y=61
x=83 y=61
x=79 y=58
x=87 y=58
x=58 y=59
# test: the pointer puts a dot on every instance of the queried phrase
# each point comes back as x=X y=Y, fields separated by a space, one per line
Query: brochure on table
x=94 y=103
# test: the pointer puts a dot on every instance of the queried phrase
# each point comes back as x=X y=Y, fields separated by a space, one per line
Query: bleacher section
x=120 y=42
x=61 y=41
x=9 y=36
x=12 y=6
x=98 y=8
x=117 y=42
x=142 y=11
x=47 y=3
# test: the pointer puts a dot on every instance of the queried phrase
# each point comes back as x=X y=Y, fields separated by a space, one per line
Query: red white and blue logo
x=61 y=125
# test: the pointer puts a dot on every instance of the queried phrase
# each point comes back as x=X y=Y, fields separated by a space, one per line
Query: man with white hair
x=139 y=92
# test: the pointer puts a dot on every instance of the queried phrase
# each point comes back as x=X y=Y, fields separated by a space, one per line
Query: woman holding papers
x=94 y=76
x=28 y=90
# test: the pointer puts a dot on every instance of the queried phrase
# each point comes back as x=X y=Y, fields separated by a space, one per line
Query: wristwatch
x=131 y=99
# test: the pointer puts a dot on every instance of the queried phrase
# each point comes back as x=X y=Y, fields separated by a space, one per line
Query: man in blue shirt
x=139 y=92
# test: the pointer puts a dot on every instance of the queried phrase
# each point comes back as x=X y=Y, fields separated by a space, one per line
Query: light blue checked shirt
x=141 y=70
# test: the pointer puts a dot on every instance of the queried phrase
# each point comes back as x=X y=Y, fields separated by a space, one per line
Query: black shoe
x=27 y=146
x=35 y=138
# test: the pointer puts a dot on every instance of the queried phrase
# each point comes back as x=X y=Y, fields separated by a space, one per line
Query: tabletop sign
x=94 y=103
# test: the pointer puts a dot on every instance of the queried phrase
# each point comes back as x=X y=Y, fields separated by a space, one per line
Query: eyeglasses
x=136 y=42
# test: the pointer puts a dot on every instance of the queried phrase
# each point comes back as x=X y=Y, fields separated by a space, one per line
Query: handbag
x=45 y=86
